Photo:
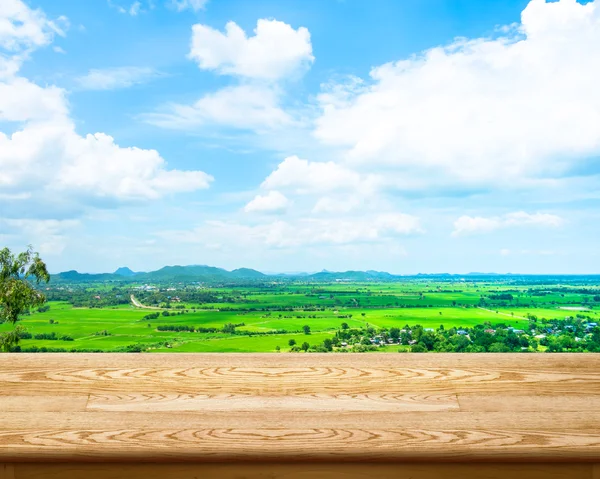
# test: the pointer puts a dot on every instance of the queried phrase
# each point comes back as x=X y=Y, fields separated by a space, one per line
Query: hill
x=125 y=271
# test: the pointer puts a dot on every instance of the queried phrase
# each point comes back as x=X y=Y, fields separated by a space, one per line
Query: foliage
x=17 y=293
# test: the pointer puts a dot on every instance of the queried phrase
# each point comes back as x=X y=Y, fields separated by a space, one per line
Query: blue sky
x=414 y=136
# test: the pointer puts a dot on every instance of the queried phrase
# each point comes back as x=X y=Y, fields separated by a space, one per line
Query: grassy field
x=127 y=326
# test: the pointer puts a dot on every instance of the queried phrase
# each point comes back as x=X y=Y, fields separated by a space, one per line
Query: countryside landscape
x=399 y=177
x=207 y=309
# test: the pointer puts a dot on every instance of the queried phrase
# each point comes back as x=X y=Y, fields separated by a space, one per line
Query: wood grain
x=43 y=403
x=317 y=407
x=302 y=471
x=519 y=402
x=283 y=380
x=279 y=404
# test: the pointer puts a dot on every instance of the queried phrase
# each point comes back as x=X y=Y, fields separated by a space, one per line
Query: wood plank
x=581 y=421
x=302 y=471
x=167 y=402
x=43 y=402
x=519 y=402
x=283 y=380
x=140 y=436
x=533 y=362
x=596 y=471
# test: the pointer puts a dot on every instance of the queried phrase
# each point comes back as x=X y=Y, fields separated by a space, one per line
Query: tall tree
x=17 y=293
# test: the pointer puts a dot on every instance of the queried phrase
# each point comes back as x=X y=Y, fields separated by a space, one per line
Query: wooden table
x=299 y=416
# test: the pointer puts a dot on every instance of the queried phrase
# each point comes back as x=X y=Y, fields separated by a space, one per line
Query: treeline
x=228 y=328
x=48 y=336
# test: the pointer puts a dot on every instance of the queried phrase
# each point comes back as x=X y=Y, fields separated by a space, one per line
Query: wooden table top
x=290 y=407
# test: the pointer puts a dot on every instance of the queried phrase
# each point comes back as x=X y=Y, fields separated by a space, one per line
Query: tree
x=292 y=342
x=17 y=293
x=306 y=329
x=305 y=346
x=345 y=326
x=395 y=333
x=328 y=344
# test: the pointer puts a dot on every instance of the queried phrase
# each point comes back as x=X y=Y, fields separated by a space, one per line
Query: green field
x=127 y=326
x=267 y=315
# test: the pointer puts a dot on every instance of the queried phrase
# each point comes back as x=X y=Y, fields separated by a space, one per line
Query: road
x=137 y=304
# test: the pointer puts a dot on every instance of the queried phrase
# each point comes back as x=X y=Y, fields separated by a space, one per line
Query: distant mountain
x=352 y=276
x=211 y=274
x=247 y=273
x=125 y=271
x=168 y=273
x=75 y=277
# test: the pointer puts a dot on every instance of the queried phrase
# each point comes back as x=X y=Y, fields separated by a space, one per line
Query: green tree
x=292 y=342
x=305 y=346
x=328 y=344
x=395 y=333
x=306 y=329
x=17 y=293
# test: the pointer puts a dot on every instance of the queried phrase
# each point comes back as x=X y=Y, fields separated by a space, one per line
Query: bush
x=418 y=348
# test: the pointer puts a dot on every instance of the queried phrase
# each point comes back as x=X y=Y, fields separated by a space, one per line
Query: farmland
x=270 y=316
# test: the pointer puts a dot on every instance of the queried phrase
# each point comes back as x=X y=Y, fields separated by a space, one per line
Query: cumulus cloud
x=305 y=176
x=114 y=78
x=486 y=111
x=44 y=157
x=261 y=63
x=466 y=225
x=275 y=51
x=273 y=202
x=250 y=107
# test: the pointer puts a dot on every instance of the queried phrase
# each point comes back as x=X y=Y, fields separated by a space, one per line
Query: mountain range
x=203 y=273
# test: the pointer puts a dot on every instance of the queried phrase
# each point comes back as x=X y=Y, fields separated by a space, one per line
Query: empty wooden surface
x=296 y=407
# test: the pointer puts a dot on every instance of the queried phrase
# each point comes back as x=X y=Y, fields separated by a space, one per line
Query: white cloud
x=54 y=157
x=476 y=224
x=45 y=158
x=22 y=28
x=134 y=9
x=487 y=112
x=275 y=51
x=242 y=107
x=21 y=100
x=49 y=236
x=114 y=78
x=305 y=176
x=335 y=205
x=273 y=202
x=194 y=5
x=303 y=232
